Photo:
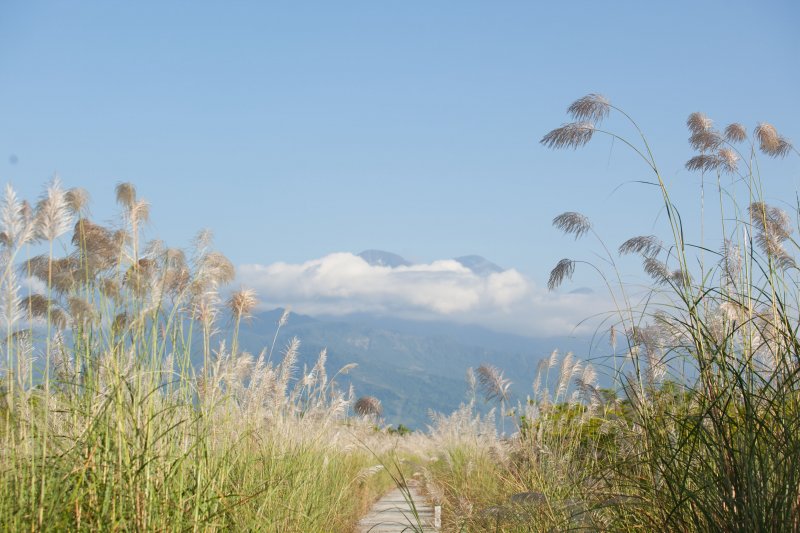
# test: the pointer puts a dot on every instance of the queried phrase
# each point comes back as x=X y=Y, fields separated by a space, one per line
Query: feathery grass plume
x=646 y=245
x=564 y=269
x=10 y=300
x=703 y=141
x=15 y=219
x=735 y=132
x=592 y=108
x=572 y=135
x=656 y=269
x=773 y=227
x=699 y=122
x=109 y=288
x=140 y=212
x=368 y=406
x=139 y=276
x=704 y=162
x=652 y=340
x=126 y=195
x=541 y=369
x=553 y=360
x=65 y=274
x=96 y=244
x=217 y=269
x=572 y=222
x=242 y=302
x=472 y=381
x=770 y=142
x=77 y=200
x=282 y=321
x=568 y=367
x=493 y=383
x=731 y=261
x=287 y=366
x=36 y=305
x=729 y=160
x=37 y=266
x=612 y=337
x=53 y=217
x=58 y=318
x=80 y=310
x=175 y=276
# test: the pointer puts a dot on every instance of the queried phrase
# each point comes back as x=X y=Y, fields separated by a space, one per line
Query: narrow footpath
x=393 y=514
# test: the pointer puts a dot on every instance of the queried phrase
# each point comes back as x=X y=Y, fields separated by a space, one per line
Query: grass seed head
x=735 y=132
x=590 y=108
x=572 y=135
x=564 y=269
x=573 y=223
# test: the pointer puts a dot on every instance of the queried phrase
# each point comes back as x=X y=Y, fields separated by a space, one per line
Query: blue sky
x=296 y=130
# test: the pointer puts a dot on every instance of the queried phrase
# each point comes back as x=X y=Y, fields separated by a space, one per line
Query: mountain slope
x=410 y=367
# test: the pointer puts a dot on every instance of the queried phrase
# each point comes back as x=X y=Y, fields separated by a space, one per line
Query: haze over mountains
x=411 y=366
x=413 y=329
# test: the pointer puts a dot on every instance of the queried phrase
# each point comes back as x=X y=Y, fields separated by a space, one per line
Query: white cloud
x=343 y=283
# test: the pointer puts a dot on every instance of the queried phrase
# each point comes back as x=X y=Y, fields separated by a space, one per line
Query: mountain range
x=410 y=366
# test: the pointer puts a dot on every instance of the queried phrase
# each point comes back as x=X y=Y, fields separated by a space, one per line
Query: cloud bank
x=344 y=283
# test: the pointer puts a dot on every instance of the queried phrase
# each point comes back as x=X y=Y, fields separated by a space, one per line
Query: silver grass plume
x=564 y=269
x=729 y=160
x=646 y=245
x=735 y=133
x=592 y=108
x=656 y=269
x=574 y=223
x=725 y=160
x=770 y=142
x=242 y=302
x=368 y=406
x=81 y=312
x=703 y=141
x=287 y=366
x=284 y=319
x=472 y=382
x=126 y=195
x=77 y=200
x=704 y=163
x=493 y=383
x=572 y=135
x=96 y=245
x=319 y=373
x=10 y=300
x=772 y=228
x=698 y=122
x=568 y=367
x=731 y=261
x=53 y=217
x=651 y=339
x=553 y=360
x=17 y=223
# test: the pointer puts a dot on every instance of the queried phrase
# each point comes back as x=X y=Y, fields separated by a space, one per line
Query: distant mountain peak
x=383 y=258
x=479 y=265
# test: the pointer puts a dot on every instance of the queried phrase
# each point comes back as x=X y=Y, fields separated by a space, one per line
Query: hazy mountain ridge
x=476 y=263
x=410 y=366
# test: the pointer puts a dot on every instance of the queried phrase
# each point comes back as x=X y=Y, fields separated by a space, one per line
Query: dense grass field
x=107 y=426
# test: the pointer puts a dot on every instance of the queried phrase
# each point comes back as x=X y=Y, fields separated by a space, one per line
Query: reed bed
x=701 y=428
x=127 y=404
